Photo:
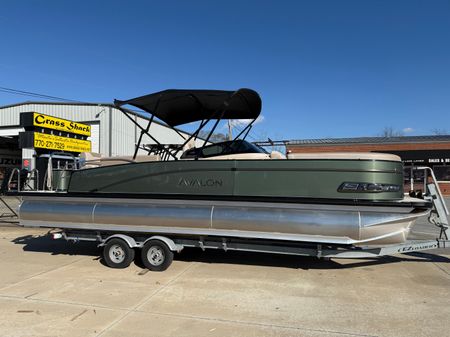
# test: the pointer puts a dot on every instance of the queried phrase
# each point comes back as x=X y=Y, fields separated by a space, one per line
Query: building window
x=418 y=175
x=442 y=172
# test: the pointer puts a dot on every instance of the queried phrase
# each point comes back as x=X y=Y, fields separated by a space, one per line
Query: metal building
x=112 y=133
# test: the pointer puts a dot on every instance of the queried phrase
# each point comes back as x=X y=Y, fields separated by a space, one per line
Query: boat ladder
x=439 y=212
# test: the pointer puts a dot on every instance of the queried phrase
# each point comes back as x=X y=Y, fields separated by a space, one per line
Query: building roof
x=371 y=140
x=55 y=103
x=142 y=114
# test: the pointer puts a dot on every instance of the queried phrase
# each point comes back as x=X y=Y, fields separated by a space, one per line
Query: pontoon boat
x=231 y=190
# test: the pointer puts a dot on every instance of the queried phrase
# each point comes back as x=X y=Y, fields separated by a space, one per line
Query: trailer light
x=368 y=187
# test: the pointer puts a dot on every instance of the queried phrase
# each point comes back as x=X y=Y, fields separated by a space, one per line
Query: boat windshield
x=224 y=148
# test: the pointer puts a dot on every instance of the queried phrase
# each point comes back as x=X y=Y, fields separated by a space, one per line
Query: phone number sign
x=52 y=142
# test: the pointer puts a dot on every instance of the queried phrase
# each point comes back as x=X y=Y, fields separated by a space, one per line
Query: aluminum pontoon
x=225 y=194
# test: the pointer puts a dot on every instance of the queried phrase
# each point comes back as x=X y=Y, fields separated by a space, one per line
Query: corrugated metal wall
x=120 y=141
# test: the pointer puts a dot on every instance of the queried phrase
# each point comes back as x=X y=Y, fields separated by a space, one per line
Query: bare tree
x=389 y=131
x=439 y=132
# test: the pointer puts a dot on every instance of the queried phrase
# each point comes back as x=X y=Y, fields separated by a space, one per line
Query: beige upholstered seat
x=277 y=155
x=247 y=156
x=90 y=155
x=96 y=160
x=345 y=155
x=251 y=156
x=189 y=145
x=144 y=158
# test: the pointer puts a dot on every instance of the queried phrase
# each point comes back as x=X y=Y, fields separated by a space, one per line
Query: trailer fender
x=172 y=245
x=128 y=239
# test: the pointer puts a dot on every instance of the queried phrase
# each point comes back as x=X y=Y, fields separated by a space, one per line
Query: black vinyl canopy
x=176 y=106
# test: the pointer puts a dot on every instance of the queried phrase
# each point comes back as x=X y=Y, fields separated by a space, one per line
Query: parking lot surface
x=53 y=288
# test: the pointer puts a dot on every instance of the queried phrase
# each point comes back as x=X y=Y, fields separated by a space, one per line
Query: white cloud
x=408 y=130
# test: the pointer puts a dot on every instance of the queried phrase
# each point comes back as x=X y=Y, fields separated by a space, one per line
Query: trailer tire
x=118 y=254
x=156 y=255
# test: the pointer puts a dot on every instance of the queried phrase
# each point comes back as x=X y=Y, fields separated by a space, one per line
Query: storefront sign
x=6 y=161
x=37 y=140
x=10 y=158
x=52 y=142
x=440 y=160
x=38 y=120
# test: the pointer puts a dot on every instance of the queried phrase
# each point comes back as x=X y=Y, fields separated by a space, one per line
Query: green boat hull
x=289 y=200
x=312 y=179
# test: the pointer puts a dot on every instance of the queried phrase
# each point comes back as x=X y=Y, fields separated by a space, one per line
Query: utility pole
x=230 y=135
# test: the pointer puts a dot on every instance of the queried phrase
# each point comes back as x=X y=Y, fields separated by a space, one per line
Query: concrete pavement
x=52 y=288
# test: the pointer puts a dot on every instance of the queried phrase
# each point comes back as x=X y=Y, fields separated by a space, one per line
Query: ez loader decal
x=412 y=248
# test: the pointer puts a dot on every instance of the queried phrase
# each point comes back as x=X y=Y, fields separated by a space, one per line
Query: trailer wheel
x=156 y=256
x=117 y=254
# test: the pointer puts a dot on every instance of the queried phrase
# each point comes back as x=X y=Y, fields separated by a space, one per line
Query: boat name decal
x=200 y=182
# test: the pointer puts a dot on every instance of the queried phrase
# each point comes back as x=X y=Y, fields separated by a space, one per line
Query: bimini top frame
x=176 y=107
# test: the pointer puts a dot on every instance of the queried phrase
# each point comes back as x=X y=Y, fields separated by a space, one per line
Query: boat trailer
x=259 y=246
x=157 y=250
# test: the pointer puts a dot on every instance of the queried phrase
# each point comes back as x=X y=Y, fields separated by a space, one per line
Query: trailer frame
x=174 y=244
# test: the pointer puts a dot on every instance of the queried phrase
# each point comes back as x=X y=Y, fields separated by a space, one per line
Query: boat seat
x=90 y=155
x=145 y=158
x=91 y=159
x=189 y=145
x=251 y=156
x=277 y=155
x=345 y=155
x=96 y=160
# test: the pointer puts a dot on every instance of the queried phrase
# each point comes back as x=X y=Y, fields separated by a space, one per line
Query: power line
x=56 y=98
x=33 y=94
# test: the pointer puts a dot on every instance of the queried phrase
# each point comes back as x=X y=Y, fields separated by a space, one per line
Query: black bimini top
x=176 y=107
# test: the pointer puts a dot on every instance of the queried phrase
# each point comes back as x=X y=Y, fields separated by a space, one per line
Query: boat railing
x=11 y=183
x=32 y=182
x=435 y=182
x=439 y=214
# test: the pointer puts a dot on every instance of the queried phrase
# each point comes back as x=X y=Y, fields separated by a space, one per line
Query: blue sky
x=322 y=68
